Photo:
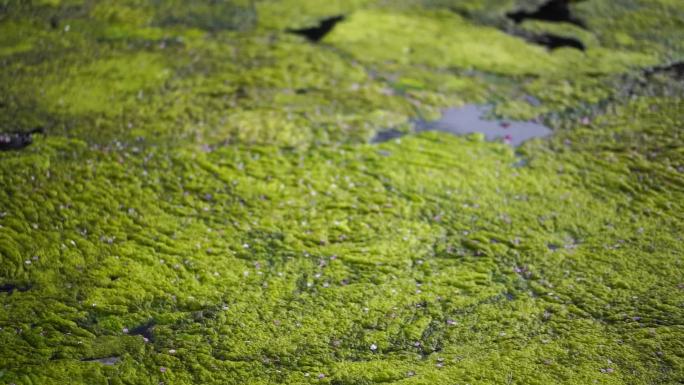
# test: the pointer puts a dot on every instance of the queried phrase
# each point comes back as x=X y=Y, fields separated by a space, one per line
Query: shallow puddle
x=109 y=361
x=471 y=119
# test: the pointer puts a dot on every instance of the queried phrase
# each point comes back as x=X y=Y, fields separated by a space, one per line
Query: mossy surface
x=205 y=207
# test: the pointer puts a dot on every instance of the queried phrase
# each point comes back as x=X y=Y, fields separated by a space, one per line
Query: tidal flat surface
x=189 y=195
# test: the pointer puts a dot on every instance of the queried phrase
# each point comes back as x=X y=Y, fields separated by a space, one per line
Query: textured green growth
x=205 y=208
x=275 y=14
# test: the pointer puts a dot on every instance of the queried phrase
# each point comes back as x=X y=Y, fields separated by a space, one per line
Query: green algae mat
x=190 y=193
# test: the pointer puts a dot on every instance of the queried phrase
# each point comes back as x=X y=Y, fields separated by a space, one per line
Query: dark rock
x=318 y=32
x=552 y=10
x=17 y=140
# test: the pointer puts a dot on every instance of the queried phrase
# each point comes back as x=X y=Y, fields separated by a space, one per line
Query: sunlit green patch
x=446 y=40
x=439 y=40
x=103 y=86
x=276 y=14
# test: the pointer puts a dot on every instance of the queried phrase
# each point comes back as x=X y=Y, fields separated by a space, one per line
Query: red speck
x=508 y=138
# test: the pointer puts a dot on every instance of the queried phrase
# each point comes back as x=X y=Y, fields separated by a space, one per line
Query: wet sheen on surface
x=471 y=119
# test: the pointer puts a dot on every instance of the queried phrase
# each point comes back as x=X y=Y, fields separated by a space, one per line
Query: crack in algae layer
x=203 y=205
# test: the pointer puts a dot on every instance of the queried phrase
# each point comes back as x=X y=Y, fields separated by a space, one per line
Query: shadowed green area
x=205 y=207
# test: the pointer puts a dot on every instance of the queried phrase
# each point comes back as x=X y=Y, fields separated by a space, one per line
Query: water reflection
x=472 y=119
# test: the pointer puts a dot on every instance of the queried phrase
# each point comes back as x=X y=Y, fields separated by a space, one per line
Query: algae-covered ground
x=204 y=203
